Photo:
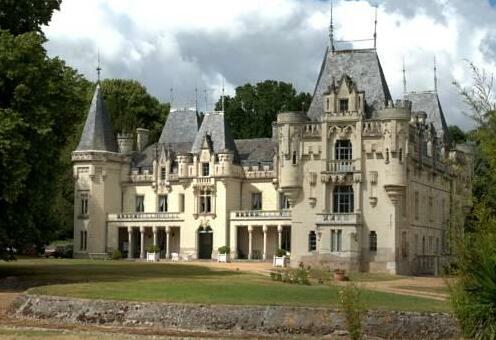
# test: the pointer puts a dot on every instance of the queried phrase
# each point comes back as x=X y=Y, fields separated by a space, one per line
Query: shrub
x=349 y=300
x=153 y=249
x=116 y=255
x=291 y=276
x=280 y=252
x=224 y=250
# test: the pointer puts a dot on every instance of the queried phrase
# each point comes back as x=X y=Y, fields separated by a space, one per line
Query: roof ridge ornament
x=375 y=28
x=331 y=30
x=435 y=74
x=98 y=68
x=404 y=77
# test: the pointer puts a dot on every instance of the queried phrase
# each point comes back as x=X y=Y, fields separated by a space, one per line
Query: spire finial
x=206 y=100
x=331 y=30
x=196 y=99
x=375 y=28
x=222 y=94
x=98 y=68
x=171 y=95
x=404 y=77
x=435 y=75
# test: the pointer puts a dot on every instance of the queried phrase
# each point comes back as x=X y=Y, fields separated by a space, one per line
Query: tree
x=456 y=134
x=22 y=16
x=254 y=107
x=41 y=102
x=130 y=106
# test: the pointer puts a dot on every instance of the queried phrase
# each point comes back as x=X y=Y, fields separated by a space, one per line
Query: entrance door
x=205 y=243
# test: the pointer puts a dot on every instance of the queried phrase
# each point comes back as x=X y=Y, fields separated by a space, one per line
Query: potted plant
x=280 y=258
x=153 y=253
x=223 y=254
x=340 y=275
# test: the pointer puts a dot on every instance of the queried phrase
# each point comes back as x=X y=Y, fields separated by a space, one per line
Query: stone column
x=264 y=229
x=130 y=243
x=142 y=243
x=250 y=241
x=167 y=242
x=279 y=236
x=155 y=236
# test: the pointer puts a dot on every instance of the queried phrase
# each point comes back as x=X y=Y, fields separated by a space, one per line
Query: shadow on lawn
x=20 y=275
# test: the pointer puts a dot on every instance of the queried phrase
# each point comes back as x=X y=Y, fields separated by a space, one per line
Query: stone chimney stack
x=125 y=143
x=142 y=138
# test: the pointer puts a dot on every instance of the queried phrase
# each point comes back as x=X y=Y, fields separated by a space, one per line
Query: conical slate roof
x=180 y=130
x=97 y=133
x=364 y=69
x=216 y=126
x=429 y=103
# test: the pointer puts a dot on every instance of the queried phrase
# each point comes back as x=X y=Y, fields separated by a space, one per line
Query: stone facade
x=357 y=182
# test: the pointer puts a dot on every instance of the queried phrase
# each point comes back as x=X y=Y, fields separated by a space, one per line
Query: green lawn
x=124 y=280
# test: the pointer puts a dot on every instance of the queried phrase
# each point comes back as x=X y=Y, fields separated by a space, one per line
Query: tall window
x=162 y=203
x=205 y=201
x=140 y=203
x=336 y=240
x=286 y=238
x=256 y=201
x=416 y=204
x=373 y=241
x=431 y=209
x=312 y=241
x=343 y=105
x=294 y=158
x=343 y=199
x=404 y=245
x=283 y=201
x=205 y=169
x=416 y=244
x=84 y=203
x=83 y=239
x=343 y=149
x=162 y=173
x=181 y=202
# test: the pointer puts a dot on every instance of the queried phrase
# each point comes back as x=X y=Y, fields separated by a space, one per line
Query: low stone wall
x=280 y=320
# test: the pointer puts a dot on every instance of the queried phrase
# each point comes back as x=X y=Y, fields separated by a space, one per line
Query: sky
x=201 y=44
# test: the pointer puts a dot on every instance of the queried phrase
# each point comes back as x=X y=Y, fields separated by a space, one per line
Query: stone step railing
x=145 y=216
x=338 y=218
x=282 y=214
x=344 y=165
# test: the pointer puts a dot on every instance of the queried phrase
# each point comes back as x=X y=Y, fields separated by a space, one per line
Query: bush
x=224 y=250
x=349 y=300
x=116 y=255
x=280 y=252
x=291 y=276
x=153 y=249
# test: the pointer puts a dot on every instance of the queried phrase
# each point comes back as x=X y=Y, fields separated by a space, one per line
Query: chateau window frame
x=205 y=167
x=163 y=172
x=283 y=201
x=343 y=105
x=205 y=201
x=84 y=200
x=372 y=241
x=139 y=203
x=163 y=204
x=343 y=199
x=343 y=149
x=336 y=240
x=256 y=200
x=312 y=241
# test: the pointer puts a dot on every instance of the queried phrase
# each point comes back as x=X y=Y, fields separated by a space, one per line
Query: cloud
x=192 y=44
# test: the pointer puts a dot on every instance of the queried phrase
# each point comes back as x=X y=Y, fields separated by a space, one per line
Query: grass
x=437 y=290
x=122 y=280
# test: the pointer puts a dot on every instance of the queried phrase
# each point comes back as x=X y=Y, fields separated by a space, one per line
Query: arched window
x=373 y=241
x=343 y=199
x=343 y=149
x=312 y=241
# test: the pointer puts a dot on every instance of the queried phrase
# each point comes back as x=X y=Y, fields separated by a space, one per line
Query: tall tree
x=456 y=134
x=254 y=107
x=22 y=16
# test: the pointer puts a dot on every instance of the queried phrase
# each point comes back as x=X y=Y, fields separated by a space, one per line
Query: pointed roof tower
x=97 y=133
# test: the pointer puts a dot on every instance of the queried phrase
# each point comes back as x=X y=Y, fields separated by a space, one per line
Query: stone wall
x=279 y=320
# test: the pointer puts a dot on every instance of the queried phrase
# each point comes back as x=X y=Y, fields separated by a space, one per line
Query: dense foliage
x=254 y=107
x=22 y=16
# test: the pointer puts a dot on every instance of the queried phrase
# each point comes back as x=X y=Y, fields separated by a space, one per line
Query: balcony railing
x=344 y=165
x=261 y=215
x=144 y=216
x=338 y=218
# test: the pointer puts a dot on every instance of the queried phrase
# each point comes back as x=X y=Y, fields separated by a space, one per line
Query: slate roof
x=429 y=103
x=255 y=150
x=180 y=130
x=363 y=67
x=97 y=132
x=144 y=159
x=216 y=126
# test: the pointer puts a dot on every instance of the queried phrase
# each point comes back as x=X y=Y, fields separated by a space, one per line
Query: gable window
x=256 y=201
x=162 y=203
x=343 y=105
x=205 y=201
x=343 y=199
x=84 y=203
x=312 y=241
x=336 y=240
x=373 y=241
x=140 y=203
x=162 y=173
x=205 y=169
x=283 y=201
x=343 y=149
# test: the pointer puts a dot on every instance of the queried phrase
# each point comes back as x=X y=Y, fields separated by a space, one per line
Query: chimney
x=142 y=138
x=125 y=143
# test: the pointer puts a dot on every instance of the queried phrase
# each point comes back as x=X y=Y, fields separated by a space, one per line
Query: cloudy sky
x=188 y=44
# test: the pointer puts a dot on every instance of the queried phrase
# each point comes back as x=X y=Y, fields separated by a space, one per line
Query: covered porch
x=134 y=240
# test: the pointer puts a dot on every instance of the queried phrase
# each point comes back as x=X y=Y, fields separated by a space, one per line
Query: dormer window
x=205 y=169
x=343 y=105
x=162 y=173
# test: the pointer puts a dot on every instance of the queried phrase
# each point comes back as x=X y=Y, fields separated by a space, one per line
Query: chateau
x=357 y=182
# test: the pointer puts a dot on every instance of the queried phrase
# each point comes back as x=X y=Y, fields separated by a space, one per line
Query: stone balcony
x=344 y=165
x=338 y=218
x=145 y=216
x=203 y=181
x=256 y=215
